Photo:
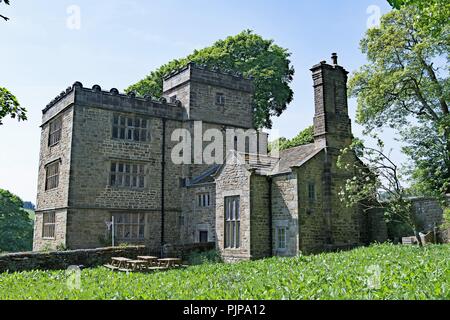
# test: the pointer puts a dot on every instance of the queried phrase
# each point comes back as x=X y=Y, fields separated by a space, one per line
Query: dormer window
x=220 y=99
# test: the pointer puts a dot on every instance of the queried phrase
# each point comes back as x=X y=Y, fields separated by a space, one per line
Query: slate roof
x=295 y=157
x=265 y=165
x=206 y=177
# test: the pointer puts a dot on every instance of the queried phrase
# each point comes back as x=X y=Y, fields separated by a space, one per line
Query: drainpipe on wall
x=270 y=218
x=163 y=169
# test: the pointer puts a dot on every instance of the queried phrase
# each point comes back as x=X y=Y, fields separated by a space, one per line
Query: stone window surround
x=140 y=223
x=54 y=176
x=203 y=199
x=202 y=227
x=49 y=225
x=54 y=131
x=277 y=225
x=312 y=191
x=233 y=223
x=143 y=131
x=138 y=175
x=220 y=99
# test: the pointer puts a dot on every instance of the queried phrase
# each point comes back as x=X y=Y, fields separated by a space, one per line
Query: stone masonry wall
x=312 y=222
x=195 y=218
x=41 y=243
x=285 y=212
x=233 y=180
x=196 y=88
x=60 y=260
x=59 y=197
x=260 y=217
x=428 y=211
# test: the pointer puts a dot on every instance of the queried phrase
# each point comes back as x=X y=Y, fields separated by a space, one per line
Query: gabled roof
x=206 y=176
x=263 y=164
x=295 y=157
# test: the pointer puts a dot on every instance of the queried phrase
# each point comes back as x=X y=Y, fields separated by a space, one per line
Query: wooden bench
x=150 y=260
x=136 y=265
x=169 y=262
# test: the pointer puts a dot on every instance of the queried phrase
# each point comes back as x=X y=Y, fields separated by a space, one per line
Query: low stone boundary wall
x=182 y=251
x=59 y=260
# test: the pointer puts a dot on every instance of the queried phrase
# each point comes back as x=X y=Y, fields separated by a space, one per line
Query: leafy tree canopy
x=249 y=54
x=305 y=136
x=16 y=228
x=405 y=85
x=10 y=106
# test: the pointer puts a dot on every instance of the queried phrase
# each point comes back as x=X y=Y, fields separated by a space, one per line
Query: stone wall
x=326 y=223
x=195 y=218
x=58 y=197
x=90 y=258
x=196 y=88
x=428 y=211
x=312 y=222
x=41 y=243
x=260 y=223
x=63 y=259
x=184 y=250
x=285 y=212
x=233 y=180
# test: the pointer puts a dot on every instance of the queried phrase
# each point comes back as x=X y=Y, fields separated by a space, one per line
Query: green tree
x=305 y=136
x=428 y=169
x=8 y=102
x=405 y=85
x=10 y=106
x=16 y=228
x=376 y=184
x=249 y=54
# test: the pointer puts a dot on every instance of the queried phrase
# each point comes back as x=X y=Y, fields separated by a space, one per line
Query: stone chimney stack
x=332 y=126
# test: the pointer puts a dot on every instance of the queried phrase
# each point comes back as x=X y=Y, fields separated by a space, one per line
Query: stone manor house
x=107 y=155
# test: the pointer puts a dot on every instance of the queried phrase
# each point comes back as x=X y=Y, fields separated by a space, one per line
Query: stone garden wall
x=89 y=258
x=57 y=260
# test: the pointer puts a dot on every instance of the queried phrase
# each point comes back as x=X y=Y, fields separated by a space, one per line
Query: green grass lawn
x=377 y=272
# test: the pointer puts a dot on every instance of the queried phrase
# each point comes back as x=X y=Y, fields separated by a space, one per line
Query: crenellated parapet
x=113 y=99
x=205 y=67
x=207 y=75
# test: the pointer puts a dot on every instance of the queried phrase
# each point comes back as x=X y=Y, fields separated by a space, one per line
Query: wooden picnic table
x=119 y=262
x=136 y=264
x=151 y=260
x=169 y=262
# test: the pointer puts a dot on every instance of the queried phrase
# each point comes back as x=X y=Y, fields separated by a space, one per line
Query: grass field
x=376 y=272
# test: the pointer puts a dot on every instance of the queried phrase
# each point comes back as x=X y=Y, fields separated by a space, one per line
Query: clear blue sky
x=120 y=41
